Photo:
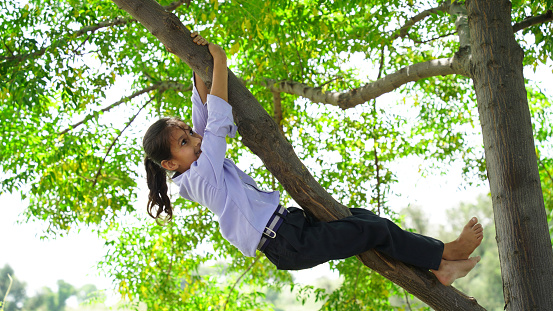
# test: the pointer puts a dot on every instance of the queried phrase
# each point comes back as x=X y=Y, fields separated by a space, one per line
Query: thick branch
x=352 y=98
x=534 y=20
x=261 y=134
x=160 y=86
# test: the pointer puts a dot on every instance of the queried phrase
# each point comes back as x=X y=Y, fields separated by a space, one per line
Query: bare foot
x=469 y=239
x=451 y=270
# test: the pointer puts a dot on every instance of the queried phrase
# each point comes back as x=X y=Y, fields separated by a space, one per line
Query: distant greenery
x=484 y=282
x=46 y=299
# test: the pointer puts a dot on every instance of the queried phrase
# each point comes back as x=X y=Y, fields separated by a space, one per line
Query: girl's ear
x=169 y=165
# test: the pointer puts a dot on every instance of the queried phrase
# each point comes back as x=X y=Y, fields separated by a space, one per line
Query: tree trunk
x=261 y=134
x=521 y=224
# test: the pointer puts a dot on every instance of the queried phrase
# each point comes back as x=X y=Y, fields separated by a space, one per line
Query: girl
x=252 y=219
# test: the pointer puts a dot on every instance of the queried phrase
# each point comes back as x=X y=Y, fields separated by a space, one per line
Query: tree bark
x=261 y=134
x=521 y=224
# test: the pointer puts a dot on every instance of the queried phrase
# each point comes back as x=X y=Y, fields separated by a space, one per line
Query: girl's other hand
x=199 y=40
x=216 y=51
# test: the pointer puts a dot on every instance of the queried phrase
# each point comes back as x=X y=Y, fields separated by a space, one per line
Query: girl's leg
x=303 y=242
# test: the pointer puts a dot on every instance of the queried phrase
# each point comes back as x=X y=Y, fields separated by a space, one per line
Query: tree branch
x=375 y=137
x=357 y=96
x=115 y=140
x=433 y=39
x=545 y=169
x=160 y=86
x=239 y=278
x=260 y=133
x=173 y=6
x=402 y=32
x=534 y=20
x=70 y=37
x=87 y=29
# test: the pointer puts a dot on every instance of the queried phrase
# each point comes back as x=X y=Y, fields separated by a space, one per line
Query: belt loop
x=272 y=226
x=271 y=234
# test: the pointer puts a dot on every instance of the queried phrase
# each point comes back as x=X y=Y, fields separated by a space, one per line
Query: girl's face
x=185 y=148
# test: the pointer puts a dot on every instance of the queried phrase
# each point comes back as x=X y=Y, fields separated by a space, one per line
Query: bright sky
x=43 y=262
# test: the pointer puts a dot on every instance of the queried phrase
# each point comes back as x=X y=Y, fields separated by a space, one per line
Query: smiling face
x=185 y=148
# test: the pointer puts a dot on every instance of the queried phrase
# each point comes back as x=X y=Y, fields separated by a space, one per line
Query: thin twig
x=161 y=86
x=356 y=281
x=298 y=53
x=402 y=32
x=115 y=140
x=76 y=34
x=82 y=43
x=545 y=169
x=7 y=47
x=91 y=29
x=239 y=278
x=407 y=299
x=433 y=39
x=7 y=292
x=173 y=6
x=375 y=138
x=172 y=256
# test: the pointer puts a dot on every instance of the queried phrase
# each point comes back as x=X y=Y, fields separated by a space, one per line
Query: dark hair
x=157 y=146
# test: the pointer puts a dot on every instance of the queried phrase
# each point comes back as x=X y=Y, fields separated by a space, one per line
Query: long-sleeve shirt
x=218 y=184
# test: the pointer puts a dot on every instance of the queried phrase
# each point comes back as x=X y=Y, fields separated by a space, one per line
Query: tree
x=77 y=154
x=45 y=299
x=16 y=295
x=521 y=222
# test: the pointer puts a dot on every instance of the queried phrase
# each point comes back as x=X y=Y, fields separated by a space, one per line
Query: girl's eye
x=183 y=142
x=191 y=132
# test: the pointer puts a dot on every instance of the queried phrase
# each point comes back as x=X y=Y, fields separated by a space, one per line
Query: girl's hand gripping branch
x=219 y=83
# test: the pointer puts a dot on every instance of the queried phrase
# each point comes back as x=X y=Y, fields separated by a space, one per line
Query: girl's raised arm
x=200 y=85
x=219 y=85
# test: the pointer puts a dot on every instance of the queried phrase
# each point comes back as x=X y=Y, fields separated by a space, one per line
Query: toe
x=473 y=221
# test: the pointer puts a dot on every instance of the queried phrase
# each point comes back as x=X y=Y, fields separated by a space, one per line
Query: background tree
x=16 y=296
x=62 y=143
x=45 y=299
x=486 y=278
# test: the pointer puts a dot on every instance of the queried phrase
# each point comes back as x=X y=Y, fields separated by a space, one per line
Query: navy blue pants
x=303 y=242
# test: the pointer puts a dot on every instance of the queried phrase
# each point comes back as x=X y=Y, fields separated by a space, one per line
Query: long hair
x=157 y=146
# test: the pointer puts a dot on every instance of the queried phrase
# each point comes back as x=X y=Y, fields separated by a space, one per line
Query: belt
x=272 y=226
